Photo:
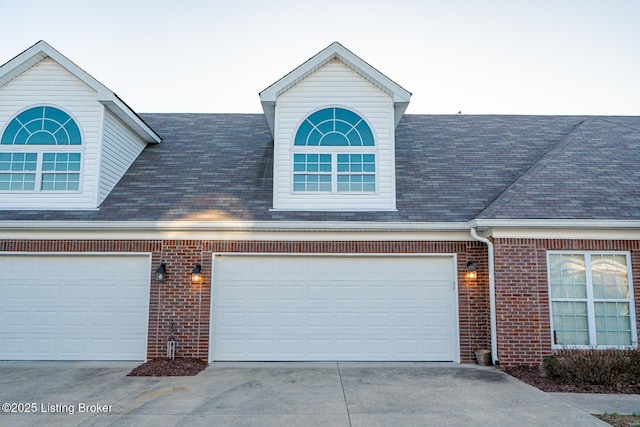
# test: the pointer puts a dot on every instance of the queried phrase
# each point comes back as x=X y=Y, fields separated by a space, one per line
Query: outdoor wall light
x=161 y=272
x=196 y=274
x=471 y=274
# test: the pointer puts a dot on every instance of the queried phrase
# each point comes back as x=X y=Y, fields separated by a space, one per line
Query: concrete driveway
x=278 y=394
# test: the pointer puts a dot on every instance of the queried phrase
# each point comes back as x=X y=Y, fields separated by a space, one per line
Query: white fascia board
x=242 y=230
x=555 y=223
x=324 y=230
x=310 y=226
x=559 y=229
x=41 y=50
x=18 y=65
x=564 y=234
x=124 y=113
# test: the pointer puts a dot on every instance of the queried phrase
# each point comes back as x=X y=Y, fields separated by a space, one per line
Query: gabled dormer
x=65 y=139
x=333 y=123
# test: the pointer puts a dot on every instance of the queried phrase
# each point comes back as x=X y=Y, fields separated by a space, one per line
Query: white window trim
x=40 y=150
x=334 y=151
x=590 y=301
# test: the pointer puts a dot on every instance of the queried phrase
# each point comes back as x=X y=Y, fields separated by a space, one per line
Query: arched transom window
x=39 y=152
x=333 y=152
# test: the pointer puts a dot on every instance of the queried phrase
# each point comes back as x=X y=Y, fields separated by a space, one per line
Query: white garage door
x=59 y=307
x=305 y=308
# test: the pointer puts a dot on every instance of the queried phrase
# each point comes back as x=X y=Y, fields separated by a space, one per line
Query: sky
x=478 y=57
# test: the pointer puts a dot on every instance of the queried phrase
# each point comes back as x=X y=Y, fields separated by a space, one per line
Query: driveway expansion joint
x=346 y=404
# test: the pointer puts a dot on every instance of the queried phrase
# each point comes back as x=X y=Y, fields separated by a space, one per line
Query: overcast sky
x=478 y=57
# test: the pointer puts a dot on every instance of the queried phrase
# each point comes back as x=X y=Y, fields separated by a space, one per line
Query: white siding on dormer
x=47 y=83
x=334 y=85
x=120 y=147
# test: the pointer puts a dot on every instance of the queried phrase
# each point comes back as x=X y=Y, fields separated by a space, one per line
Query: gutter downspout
x=492 y=295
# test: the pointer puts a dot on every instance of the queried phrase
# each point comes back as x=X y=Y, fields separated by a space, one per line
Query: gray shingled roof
x=448 y=169
x=592 y=173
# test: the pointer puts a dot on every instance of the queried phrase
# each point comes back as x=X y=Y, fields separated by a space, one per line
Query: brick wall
x=522 y=296
x=188 y=306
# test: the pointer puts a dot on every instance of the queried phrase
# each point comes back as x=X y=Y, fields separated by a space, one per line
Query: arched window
x=42 y=126
x=333 y=153
x=38 y=152
x=334 y=127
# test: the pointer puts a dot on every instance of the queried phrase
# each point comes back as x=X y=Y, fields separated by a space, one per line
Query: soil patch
x=165 y=367
x=534 y=375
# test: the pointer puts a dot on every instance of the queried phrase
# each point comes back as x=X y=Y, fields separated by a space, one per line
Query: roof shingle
x=215 y=167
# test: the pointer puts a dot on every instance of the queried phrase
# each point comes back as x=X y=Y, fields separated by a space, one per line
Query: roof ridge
x=531 y=172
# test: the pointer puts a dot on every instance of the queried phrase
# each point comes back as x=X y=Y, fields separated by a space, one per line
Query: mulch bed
x=534 y=375
x=620 y=420
x=165 y=367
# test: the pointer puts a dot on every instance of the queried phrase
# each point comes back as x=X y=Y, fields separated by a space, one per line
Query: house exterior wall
x=47 y=83
x=188 y=305
x=334 y=85
x=120 y=147
x=522 y=295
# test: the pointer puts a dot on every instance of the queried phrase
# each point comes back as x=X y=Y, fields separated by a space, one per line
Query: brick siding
x=522 y=299
x=188 y=306
x=522 y=296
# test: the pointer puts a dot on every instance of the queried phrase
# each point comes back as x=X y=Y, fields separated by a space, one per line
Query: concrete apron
x=278 y=394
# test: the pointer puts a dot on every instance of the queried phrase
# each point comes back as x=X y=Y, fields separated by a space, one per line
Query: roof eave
x=327 y=225
x=234 y=225
x=130 y=118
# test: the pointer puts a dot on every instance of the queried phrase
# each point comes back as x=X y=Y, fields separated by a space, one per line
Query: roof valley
x=529 y=174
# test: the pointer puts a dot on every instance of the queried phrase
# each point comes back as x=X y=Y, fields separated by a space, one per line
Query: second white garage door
x=74 y=307
x=307 y=308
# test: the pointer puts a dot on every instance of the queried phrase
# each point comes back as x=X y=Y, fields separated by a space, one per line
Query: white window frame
x=334 y=151
x=590 y=300
x=41 y=150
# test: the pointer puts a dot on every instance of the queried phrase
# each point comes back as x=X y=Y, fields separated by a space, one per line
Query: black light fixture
x=161 y=272
x=196 y=274
x=471 y=274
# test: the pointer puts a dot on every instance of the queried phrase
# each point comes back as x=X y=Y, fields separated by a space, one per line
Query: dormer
x=65 y=139
x=333 y=124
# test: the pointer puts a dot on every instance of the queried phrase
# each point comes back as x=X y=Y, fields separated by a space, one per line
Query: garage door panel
x=262 y=321
x=72 y=307
x=76 y=318
x=102 y=346
x=13 y=320
x=130 y=294
x=75 y=293
x=42 y=347
x=292 y=295
x=43 y=319
x=72 y=347
x=14 y=292
x=45 y=294
x=333 y=307
x=106 y=292
x=103 y=319
x=128 y=319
